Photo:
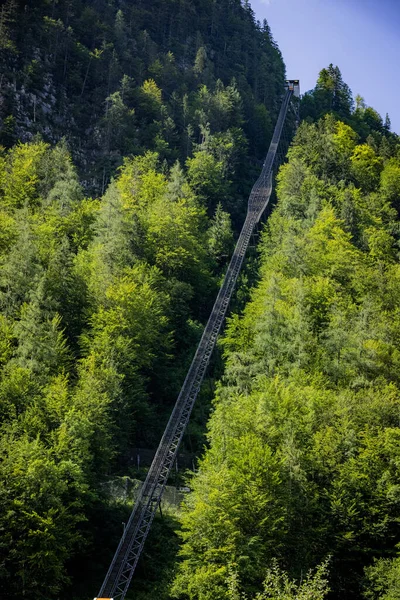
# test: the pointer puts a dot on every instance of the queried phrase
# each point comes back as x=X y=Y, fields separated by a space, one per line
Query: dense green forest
x=129 y=144
x=303 y=459
x=131 y=133
x=123 y=77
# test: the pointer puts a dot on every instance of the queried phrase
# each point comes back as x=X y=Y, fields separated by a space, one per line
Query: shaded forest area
x=121 y=77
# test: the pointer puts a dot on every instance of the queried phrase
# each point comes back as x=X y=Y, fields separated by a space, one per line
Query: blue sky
x=362 y=37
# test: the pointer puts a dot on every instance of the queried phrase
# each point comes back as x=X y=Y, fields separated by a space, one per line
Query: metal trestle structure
x=119 y=575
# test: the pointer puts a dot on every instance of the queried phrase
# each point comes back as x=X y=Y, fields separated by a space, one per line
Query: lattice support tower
x=119 y=575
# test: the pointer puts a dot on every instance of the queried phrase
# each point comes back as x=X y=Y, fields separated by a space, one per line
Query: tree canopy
x=302 y=462
x=131 y=133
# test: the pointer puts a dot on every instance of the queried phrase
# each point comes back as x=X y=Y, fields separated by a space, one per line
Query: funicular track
x=119 y=575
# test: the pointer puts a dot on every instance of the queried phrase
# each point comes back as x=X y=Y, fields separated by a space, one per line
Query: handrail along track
x=119 y=575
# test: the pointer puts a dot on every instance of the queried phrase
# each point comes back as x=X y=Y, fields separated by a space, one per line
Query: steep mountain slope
x=163 y=110
x=102 y=300
x=303 y=461
x=121 y=77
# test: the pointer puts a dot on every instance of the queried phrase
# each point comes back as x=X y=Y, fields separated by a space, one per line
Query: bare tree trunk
x=86 y=76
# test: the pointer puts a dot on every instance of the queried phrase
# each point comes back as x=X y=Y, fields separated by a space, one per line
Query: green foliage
x=220 y=235
x=383 y=580
x=366 y=167
x=303 y=440
x=390 y=182
x=332 y=96
x=278 y=586
x=102 y=300
x=20 y=175
x=7 y=18
x=41 y=509
x=119 y=126
x=117 y=80
x=332 y=92
x=96 y=327
x=206 y=177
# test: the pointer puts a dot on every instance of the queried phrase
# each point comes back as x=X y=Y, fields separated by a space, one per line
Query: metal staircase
x=119 y=575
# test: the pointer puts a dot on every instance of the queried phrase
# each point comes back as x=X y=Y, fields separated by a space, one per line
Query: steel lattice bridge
x=119 y=575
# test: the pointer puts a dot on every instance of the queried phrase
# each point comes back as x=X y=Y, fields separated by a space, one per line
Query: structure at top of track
x=119 y=575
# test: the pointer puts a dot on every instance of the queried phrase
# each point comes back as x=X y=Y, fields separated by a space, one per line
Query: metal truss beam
x=119 y=575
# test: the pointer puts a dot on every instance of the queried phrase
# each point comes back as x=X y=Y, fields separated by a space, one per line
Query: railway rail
x=119 y=575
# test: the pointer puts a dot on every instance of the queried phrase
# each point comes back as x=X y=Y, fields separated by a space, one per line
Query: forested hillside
x=303 y=460
x=119 y=77
x=130 y=132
